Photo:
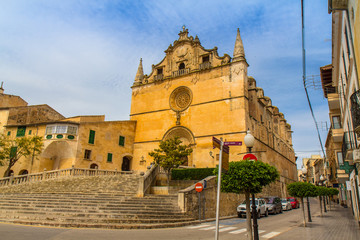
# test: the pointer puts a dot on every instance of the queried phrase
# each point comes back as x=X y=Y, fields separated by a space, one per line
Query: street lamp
x=322 y=180
x=249 y=141
x=304 y=172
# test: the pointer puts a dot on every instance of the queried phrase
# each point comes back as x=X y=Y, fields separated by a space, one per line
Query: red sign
x=249 y=156
x=232 y=143
x=199 y=187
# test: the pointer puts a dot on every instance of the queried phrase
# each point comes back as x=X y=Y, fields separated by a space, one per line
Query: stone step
x=103 y=225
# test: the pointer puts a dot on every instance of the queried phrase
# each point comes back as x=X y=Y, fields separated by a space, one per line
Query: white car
x=260 y=207
x=286 y=205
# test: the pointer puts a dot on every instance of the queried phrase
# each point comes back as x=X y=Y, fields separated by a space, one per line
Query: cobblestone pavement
x=336 y=224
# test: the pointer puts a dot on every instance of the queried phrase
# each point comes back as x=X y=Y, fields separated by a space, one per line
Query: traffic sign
x=232 y=143
x=217 y=144
x=250 y=156
x=199 y=187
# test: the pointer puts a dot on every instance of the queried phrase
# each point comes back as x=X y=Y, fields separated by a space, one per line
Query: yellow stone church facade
x=193 y=93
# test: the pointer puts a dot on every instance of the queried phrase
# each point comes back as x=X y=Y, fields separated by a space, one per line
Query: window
x=30 y=131
x=340 y=158
x=21 y=131
x=205 y=59
x=122 y=141
x=336 y=124
x=87 y=154
x=181 y=66
x=9 y=133
x=92 y=137
x=109 y=157
x=159 y=71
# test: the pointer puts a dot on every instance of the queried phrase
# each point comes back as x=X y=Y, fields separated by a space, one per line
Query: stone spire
x=140 y=73
x=239 y=53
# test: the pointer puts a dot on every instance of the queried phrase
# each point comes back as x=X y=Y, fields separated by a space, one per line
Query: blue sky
x=80 y=57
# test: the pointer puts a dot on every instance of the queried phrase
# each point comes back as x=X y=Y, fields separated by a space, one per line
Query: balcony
x=337 y=134
x=333 y=101
x=348 y=145
x=355 y=110
x=181 y=72
x=205 y=65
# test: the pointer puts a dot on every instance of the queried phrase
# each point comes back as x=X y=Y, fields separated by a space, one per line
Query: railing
x=349 y=142
x=180 y=72
x=355 y=110
x=205 y=65
x=147 y=180
x=36 y=177
x=158 y=77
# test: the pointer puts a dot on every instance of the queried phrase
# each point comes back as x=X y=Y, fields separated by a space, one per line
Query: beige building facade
x=195 y=94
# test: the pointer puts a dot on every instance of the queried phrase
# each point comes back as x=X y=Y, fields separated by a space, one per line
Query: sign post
x=199 y=187
x=220 y=144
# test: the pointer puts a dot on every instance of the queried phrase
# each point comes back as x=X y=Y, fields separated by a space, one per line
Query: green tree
x=321 y=192
x=171 y=154
x=247 y=177
x=301 y=190
x=11 y=150
x=332 y=192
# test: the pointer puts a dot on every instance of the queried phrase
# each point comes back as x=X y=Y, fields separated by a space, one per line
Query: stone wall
x=188 y=201
x=84 y=184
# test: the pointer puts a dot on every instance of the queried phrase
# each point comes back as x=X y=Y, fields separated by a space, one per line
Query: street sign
x=199 y=187
x=217 y=144
x=232 y=143
x=249 y=156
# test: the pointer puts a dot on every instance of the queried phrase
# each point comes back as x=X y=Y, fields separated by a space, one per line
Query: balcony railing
x=205 y=65
x=158 y=77
x=349 y=143
x=181 y=72
x=355 y=110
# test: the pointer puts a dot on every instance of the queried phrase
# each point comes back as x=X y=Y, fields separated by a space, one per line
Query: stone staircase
x=94 y=202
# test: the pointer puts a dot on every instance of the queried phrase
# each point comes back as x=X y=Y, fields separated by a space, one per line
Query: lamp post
x=322 y=180
x=249 y=141
x=304 y=171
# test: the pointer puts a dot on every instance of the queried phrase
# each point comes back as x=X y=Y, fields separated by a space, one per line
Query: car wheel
x=266 y=213
x=259 y=215
x=240 y=216
x=280 y=210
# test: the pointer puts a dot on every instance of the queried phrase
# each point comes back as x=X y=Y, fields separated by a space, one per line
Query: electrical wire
x=304 y=74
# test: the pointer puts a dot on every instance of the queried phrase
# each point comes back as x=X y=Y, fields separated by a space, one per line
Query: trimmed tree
x=332 y=192
x=321 y=192
x=11 y=150
x=171 y=154
x=247 y=177
x=301 y=190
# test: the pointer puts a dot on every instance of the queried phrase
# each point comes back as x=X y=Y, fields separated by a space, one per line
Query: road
x=233 y=228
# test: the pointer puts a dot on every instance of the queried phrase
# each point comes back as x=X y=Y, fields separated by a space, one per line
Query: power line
x=304 y=74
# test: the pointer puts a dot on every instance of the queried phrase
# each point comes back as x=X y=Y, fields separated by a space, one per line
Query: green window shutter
x=122 y=141
x=9 y=133
x=109 y=157
x=30 y=131
x=13 y=152
x=21 y=131
x=92 y=137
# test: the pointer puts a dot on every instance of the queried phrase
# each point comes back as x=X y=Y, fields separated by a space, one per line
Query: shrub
x=191 y=173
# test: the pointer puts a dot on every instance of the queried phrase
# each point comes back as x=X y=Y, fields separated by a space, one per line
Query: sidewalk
x=336 y=224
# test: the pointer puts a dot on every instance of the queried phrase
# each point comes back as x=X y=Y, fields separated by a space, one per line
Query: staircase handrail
x=35 y=177
x=147 y=179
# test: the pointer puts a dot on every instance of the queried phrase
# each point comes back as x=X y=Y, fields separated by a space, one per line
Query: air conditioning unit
x=356 y=155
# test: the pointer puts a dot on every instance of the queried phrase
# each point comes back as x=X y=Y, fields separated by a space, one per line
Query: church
x=193 y=93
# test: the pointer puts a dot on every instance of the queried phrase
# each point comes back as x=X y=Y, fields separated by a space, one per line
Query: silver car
x=286 y=204
x=260 y=208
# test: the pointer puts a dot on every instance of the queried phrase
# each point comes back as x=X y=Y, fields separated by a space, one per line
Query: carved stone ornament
x=180 y=99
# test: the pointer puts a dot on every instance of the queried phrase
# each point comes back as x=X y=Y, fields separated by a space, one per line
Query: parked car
x=273 y=205
x=286 y=205
x=294 y=202
x=260 y=207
